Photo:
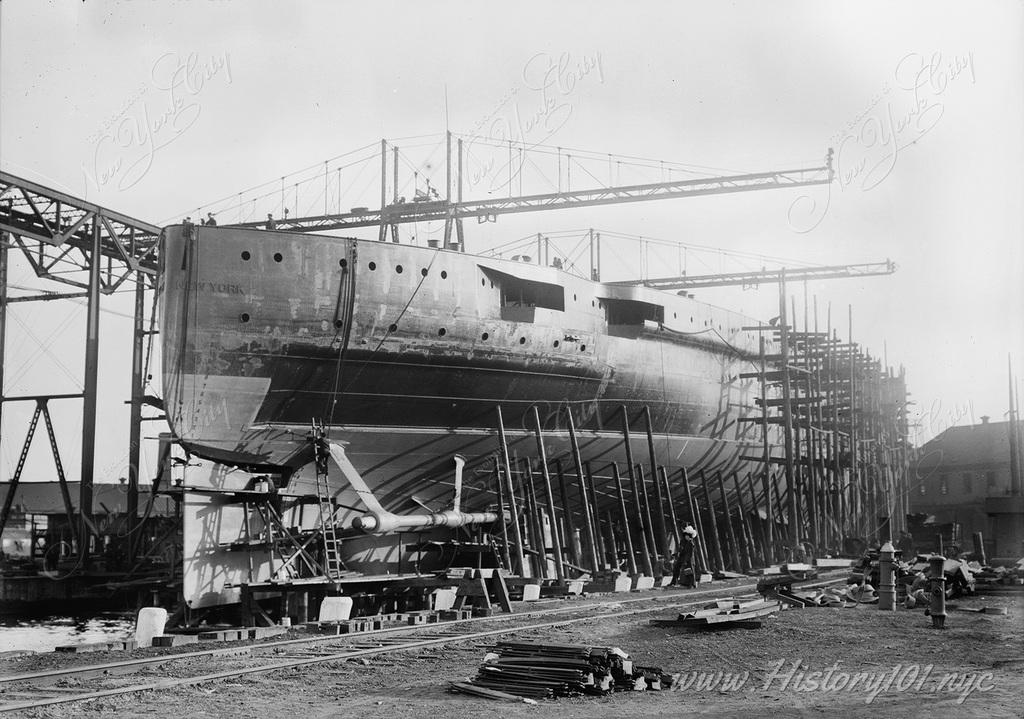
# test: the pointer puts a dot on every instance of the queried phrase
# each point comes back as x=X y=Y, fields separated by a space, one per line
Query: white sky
x=747 y=86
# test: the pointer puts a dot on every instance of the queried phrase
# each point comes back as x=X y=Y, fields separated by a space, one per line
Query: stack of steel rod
x=541 y=671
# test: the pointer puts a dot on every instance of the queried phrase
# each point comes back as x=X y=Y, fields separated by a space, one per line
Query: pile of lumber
x=723 y=614
x=517 y=670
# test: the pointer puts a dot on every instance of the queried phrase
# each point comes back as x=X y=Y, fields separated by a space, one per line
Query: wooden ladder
x=333 y=566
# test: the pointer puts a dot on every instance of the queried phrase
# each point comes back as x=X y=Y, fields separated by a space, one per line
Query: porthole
x=591 y=303
x=398 y=269
x=442 y=332
x=244 y=317
x=483 y=282
x=522 y=340
x=573 y=296
x=338 y=324
x=484 y=336
x=372 y=266
x=556 y=343
x=392 y=327
x=675 y=316
x=278 y=257
x=246 y=255
x=444 y=275
x=342 y=263
x=583 y=348
x=691 y=320
x=424 y=272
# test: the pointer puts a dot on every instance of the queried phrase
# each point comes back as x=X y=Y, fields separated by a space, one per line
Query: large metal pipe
x=382 y=522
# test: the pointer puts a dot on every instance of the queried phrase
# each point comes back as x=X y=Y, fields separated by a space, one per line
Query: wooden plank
x=501 y=592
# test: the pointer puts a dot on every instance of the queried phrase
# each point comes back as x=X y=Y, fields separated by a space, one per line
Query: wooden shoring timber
x=698 y=524
x=568 y=534
x=648 y=522
x=602 y=553
x=556 y=535
x=584 y=505
x=735 y=555
x=624 y=515
x=520 y=558
x=713 y=522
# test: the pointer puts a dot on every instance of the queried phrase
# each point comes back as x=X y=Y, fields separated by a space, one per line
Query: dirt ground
x=801 y=663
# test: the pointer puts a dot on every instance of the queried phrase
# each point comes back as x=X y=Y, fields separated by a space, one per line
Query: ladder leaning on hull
x=332 y=564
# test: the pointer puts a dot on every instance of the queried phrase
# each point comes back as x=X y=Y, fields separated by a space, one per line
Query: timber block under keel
x=109 y=646
x=641 y=582
x=174 y=640
x=621 y=583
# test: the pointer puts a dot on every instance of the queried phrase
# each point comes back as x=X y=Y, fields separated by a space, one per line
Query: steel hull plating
x=405 y=352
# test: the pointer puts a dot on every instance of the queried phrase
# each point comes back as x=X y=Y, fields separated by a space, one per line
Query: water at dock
x=43 y=635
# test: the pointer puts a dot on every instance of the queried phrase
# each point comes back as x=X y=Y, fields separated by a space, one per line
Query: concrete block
x=85 y=647
x=665 y=581
x=264 y=632
x=443 y=599
x=531 y=592
x=217 y=636
x=706 y=577
x=574 y=586
x=174 y=640
x=149 y=623
x=641 y=582
x=335 y=609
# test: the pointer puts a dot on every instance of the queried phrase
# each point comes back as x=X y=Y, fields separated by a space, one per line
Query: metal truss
x=488 y=209
x=68 y=240
x=830 y=272
x=57 y=234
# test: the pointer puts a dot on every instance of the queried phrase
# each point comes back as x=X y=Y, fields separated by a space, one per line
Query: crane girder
x=405 y=212
x=684 y=283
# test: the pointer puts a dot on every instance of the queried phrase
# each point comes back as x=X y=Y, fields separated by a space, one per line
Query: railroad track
x=108 y=679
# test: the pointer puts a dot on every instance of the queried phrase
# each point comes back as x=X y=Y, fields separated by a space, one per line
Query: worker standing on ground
x=682 y=571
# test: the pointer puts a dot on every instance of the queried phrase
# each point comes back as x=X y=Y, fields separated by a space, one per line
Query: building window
x=990 y=479
x=966 y=477
x=943 y=484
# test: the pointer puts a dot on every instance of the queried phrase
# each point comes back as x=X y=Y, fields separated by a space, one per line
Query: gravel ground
x=909 y=669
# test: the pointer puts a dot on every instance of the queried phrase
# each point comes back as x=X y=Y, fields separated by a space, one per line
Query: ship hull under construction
x=406 y=353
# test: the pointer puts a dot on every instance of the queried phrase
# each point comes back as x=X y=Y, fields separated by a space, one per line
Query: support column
x=135 y=421
x=3 y=318
x=92 y=347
